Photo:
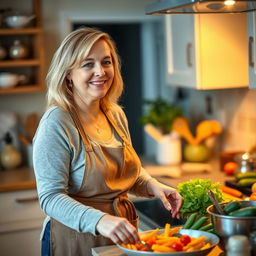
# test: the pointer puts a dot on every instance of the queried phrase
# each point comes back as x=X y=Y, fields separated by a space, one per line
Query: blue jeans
x=46 y=241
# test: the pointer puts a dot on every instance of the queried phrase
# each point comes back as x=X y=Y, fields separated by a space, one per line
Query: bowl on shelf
x=9 y=80
x=225 y=226
x=18 y=20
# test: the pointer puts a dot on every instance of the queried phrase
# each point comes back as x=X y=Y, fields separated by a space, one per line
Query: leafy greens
x=195 y=198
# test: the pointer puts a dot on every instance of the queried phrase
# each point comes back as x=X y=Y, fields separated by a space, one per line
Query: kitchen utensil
x=9 y=80
x=18 y=20
x=24 y=140
x=31 y=124
x=213 y=239
x=180 y=125
x=207 y=128
x=215 y=202
x=152 y=131
x=148 y=246
x=225 y=226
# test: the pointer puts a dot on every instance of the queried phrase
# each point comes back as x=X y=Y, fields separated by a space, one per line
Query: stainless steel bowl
x=226 y=226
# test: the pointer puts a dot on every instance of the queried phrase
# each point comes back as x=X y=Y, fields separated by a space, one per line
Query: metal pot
x=225 y=226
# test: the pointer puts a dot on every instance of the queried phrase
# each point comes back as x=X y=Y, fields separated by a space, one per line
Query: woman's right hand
x=118 y=229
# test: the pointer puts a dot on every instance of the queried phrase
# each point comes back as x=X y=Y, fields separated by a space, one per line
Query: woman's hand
x=169 y=196
x=118 y=229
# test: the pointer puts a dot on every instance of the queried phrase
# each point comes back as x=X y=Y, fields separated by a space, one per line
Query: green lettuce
x=195 y=198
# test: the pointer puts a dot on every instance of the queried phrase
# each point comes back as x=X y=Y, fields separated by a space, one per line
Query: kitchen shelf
x=17 y=63
x=34 y=65
x=22 y=89
x=24 y=31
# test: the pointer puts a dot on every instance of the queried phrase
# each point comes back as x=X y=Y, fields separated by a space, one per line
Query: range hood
x=200 y=6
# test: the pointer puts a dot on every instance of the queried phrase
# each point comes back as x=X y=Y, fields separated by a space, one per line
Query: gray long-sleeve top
x=59 y=165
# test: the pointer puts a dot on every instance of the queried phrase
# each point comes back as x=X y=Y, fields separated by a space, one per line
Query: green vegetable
x=244 y=212
x=195 y=198
x=232 y=206
x=199 y=223
x=190 y=220
x=246 y=182
x=246 y=175
x=206 y=227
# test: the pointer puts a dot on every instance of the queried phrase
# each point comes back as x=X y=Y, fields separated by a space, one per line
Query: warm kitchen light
x=229 y=2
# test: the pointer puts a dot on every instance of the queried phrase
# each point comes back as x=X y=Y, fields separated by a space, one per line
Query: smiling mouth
x=98 y=83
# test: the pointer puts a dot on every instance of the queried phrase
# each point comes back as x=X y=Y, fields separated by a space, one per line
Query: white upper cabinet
x=251 y=19
x=207 y=51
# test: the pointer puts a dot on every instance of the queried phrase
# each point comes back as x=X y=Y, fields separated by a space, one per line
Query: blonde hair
x=70 y=54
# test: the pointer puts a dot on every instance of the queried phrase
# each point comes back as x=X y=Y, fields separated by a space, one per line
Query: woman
x=83 y=158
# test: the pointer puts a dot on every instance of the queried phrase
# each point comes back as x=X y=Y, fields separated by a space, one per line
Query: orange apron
x=109 y=173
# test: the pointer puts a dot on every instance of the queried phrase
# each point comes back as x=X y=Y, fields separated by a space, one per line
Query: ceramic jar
x=10 y=157
x=18 y=50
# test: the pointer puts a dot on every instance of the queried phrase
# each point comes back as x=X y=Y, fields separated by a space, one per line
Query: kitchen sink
x=152 y=214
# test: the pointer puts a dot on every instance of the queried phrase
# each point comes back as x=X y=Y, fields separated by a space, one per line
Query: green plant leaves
x=161 y=114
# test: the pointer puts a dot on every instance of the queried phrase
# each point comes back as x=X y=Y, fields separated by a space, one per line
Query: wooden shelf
x=22 y=89
x=32 y=66
x=16 y=63
x=7 y=31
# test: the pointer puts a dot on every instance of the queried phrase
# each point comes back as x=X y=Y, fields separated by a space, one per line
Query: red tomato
x=185 y=239
x=177 y=246
x=253 y=196
x=230 y=167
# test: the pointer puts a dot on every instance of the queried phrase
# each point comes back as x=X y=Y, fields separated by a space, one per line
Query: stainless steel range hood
x=200 y=6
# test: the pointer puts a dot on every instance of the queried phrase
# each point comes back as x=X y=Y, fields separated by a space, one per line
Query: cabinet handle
x=26 y=200
x=250 y=47
x=189 y=57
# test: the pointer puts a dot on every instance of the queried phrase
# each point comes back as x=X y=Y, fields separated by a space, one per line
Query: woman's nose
x=99 y=70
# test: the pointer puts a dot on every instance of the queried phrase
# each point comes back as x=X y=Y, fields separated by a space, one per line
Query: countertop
x=19 y=179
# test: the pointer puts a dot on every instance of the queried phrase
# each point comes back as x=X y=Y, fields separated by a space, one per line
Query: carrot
x=231 y=191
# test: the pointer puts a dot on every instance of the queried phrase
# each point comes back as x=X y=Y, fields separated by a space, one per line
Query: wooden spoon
x=180 y=125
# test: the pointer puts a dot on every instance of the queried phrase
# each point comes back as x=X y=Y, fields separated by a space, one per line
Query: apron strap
x=114 y=124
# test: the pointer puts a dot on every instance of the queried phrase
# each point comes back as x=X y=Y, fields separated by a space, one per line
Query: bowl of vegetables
x=174 y=241
x=239 y=219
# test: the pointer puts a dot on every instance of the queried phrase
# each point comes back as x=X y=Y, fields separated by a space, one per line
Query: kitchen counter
x=18 y=179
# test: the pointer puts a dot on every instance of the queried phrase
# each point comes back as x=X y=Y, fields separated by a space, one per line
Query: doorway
x=128 y=42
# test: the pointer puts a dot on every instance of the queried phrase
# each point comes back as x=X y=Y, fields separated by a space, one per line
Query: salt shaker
x=238 y=245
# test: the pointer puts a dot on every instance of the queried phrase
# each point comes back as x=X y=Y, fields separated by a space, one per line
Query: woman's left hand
x=169 y=196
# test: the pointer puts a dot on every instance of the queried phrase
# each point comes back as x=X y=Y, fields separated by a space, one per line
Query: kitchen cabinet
x=20 y=223
x=207 y=51
x=33 y=65
x=251 y=19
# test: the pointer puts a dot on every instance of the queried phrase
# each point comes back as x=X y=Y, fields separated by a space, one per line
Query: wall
x=235 y=109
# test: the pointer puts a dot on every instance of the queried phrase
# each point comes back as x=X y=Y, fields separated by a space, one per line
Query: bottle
x=238 y=245
x=18 y=50
x=10 y=157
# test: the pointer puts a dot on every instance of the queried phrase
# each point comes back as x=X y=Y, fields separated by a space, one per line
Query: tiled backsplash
x=235 y=109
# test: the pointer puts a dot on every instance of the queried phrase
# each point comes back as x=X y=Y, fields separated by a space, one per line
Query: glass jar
x=246 y=162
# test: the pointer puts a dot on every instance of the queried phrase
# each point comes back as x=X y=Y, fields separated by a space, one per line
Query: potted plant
x=157 y=121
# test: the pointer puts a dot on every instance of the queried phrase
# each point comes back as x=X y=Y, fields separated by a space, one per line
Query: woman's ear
x=68 y=76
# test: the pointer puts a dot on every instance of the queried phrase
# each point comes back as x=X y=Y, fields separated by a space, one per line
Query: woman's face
x=92 y=80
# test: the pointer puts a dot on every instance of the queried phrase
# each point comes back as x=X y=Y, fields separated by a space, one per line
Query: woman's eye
x=107 y=62
x=87 y=65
